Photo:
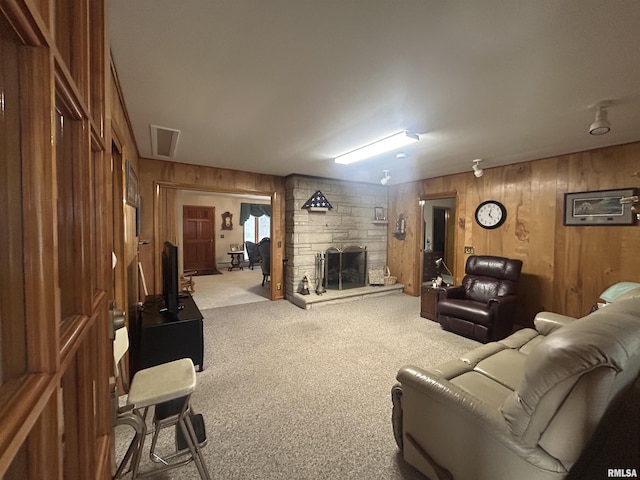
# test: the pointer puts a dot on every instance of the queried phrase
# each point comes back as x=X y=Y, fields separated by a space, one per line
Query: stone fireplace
x=351 y=222
x=345 y=268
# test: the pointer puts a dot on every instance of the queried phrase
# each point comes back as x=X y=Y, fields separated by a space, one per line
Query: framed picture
x=600 y=207
x=132 y=186
x=379 y=213
x=227 y=224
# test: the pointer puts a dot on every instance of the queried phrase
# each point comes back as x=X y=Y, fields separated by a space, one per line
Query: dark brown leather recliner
x=484 y=306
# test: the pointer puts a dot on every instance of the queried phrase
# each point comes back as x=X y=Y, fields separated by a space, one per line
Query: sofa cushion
x=555 y=366
x=505 y=367
x=483 y=388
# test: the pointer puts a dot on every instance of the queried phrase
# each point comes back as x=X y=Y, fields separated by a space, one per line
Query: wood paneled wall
x=155 y=175
x=566 y=268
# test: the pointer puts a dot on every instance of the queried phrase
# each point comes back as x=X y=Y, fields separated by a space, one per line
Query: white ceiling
x=283 y=86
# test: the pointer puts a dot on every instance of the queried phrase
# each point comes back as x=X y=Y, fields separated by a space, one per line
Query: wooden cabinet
x=429 y=301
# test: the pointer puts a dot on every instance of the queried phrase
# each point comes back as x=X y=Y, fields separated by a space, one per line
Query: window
x=255 y=229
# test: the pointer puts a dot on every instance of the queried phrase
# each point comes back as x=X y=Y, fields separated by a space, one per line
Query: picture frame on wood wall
x=132 y=197
x=598 y=207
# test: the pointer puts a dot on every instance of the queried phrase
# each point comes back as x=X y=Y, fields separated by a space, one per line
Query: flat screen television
x=170 y=277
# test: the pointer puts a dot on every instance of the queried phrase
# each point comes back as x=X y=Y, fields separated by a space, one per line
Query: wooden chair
x=187 y=283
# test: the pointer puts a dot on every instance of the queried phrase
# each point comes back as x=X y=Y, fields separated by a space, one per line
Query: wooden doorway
x=198 y=235
x=438 y=234
x=443 y=233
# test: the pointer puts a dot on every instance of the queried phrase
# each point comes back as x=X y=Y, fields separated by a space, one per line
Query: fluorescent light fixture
x=387 y=144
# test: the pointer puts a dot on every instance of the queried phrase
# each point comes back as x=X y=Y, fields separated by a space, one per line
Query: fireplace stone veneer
x=309 y=235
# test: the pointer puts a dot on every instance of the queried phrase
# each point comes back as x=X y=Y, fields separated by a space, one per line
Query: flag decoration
x=317 y=203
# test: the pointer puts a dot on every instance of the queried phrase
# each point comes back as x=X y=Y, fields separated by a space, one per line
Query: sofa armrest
x=437 y=411
x=442 y=390
x=548 y=322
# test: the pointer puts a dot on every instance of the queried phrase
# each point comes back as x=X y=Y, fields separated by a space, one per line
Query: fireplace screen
x=346 y=268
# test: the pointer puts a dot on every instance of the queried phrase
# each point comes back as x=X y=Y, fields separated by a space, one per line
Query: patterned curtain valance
x=255 y=209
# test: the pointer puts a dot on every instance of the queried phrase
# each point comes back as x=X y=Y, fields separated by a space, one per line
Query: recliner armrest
x=548 y=322
x=453 y=292
x=503 y=300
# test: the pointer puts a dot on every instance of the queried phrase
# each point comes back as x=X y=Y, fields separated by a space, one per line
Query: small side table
x=236 y=260
x=429 y=302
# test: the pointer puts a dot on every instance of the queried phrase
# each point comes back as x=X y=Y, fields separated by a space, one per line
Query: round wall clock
x=491 y=214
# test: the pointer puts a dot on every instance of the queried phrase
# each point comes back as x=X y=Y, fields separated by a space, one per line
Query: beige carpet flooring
x=231 y=288
x=289 y=393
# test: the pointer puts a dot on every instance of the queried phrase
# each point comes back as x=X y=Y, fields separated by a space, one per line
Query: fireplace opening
x=345 y=268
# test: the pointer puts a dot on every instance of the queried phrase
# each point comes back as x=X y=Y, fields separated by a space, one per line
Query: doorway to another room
x=439 y=239
x=213 y=225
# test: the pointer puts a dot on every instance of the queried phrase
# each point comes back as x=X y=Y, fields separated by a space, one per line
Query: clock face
x=491 y=214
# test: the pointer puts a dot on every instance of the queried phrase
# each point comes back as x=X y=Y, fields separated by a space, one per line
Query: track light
x=477 y=171
x=385 y=177
x=601 y=125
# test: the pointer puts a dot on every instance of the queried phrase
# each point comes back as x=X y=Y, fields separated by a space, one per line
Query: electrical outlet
x=469 y=250
x=278 y=286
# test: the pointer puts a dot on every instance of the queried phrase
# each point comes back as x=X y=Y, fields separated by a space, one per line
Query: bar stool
x=167 y=387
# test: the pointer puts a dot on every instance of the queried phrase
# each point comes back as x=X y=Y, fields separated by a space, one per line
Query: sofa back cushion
x=607 y=339
x=488 y=277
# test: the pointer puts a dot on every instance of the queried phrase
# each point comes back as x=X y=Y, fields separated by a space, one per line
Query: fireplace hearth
x=345 y=268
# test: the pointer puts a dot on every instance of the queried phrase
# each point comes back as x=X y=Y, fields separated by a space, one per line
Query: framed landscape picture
x=600 y=207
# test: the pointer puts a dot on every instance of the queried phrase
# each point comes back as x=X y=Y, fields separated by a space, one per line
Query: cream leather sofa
x=523 y=407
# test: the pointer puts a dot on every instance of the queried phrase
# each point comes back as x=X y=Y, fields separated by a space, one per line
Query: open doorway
x=438 y=238
x=228 y=224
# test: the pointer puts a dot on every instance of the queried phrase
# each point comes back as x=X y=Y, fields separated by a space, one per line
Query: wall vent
x=164 y=141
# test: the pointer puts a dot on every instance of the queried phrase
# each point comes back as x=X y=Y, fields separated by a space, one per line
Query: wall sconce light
x=401 y=228
x=385 y=177
x=600 y=125
x=477 y=171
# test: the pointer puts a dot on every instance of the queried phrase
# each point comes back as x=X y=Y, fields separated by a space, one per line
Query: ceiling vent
x=164 y=141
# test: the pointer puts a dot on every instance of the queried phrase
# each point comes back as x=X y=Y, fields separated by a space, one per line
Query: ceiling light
x=601 y=125
x=385 y=177
x=397 y=140
x=477 y=171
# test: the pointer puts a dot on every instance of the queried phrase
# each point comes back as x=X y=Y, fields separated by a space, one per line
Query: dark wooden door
x=198 y=235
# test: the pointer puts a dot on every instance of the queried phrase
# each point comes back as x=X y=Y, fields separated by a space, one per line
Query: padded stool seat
x=178 y=380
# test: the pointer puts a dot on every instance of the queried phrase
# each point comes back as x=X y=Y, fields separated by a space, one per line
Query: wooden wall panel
x=565 y=268
x=401 y=252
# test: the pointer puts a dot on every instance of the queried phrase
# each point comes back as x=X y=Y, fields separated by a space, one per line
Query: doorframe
x=157 y=241
x=438 y=196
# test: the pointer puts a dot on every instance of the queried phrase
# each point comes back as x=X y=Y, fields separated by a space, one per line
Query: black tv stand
x=164 y=336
